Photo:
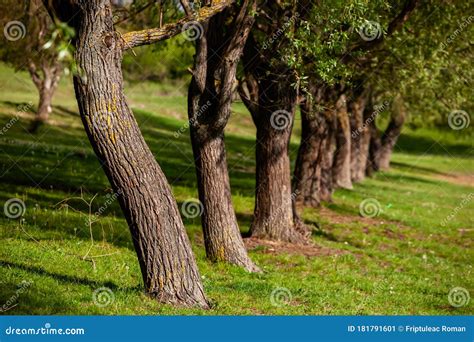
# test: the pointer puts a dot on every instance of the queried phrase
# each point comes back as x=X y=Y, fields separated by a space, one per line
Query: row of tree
x=342 y=63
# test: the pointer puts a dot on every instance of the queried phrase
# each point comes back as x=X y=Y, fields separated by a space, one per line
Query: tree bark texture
x=164 y=253
x=272 y=102
x=209 y=101
x=360 y=135
x=342 y=155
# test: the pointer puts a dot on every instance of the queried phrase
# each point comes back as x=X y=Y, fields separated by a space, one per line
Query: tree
x=335 y=59
x=270 y=92
x=168 y=267
x=209 y=100
x=36 y=33
x=424 y=73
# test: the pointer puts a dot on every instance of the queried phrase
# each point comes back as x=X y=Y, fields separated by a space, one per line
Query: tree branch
x=150 y=36
x=393 y=26
x=186 y=7
x=34 y=74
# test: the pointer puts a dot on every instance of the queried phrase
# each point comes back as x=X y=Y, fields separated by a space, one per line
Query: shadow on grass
x=421 y=145
x=63 y=277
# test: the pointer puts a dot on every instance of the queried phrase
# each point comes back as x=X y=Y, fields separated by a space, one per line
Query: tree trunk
x=360 y=136
x=209 y=110
x=272 y=102
x=307 y=174
x=326 y=186
x=164 y=253
x=46 y=86
x=342 y=155
x=391 y=134
x=374 y=149
x=273 y=216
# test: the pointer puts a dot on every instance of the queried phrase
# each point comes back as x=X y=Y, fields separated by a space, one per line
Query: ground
x=403 y=261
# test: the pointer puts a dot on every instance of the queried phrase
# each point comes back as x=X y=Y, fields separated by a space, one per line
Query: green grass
x=402 y=262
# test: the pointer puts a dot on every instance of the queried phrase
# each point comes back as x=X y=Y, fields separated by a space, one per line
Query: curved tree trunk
x=164 y=253
x=342 y=155
x=209 y=111
x=360 y=136
x=391 y=134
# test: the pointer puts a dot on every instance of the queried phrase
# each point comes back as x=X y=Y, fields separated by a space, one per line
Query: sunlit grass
x=404 y=261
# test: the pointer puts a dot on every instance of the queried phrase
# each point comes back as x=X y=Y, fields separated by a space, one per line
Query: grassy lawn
x=404 y=261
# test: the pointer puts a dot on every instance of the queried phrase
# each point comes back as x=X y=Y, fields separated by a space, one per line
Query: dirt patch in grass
x=278 y=247
x=337 y=218
x=458 y=179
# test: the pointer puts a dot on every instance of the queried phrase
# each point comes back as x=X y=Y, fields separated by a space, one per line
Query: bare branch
x=186 y=7
x=150 y=36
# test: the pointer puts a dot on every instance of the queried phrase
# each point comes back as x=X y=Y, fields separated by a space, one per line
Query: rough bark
x=313 y=177
x=307 y=174
x=164 y=253
x=391 y=134
x=272 y=102
x=326 y=185
x=360 y=135
x=342 y=155
x=209 y=101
